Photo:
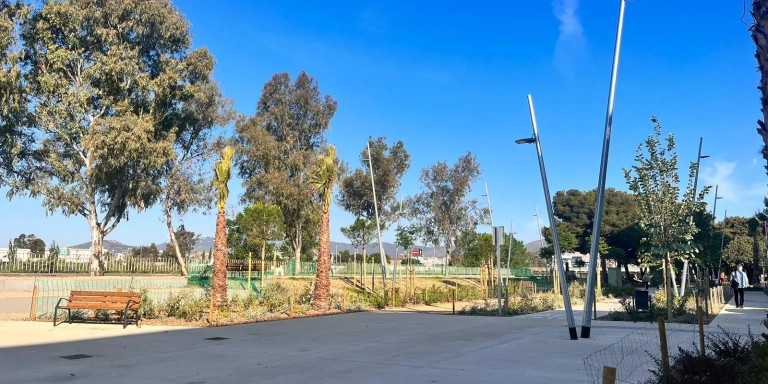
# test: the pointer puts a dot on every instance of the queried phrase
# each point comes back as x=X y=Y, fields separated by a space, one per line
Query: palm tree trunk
x=760 y=37
x=219 y=285
x=323 y=282
x=172 y=236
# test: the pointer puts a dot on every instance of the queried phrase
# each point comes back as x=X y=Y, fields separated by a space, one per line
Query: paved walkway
x=368 y=347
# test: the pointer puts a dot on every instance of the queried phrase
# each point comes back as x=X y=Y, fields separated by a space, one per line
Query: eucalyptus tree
x=14 y=108
x=278 y=149
x=104 y=83
x=759 y=31
x=442 y=209
x=356 y=194
x=184 y=185
x=664 y=216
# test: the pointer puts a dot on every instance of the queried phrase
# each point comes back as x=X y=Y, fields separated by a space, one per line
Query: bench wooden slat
x=104 y=293
x=103 y=299
x=104 y=306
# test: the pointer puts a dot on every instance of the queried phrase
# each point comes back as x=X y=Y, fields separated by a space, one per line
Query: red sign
x=416 y=252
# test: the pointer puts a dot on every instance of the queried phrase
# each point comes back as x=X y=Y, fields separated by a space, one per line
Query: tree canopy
x=107 y=86
x=278 y=147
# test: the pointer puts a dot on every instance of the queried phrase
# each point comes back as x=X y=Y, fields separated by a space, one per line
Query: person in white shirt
x=739 y=281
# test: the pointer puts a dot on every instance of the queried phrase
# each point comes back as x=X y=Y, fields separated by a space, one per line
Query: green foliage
x=411 y=261
x=730 y=357
x=389 y=165
x=611 y=290
x=261 y=223
x=738 y=251
x=108 y=87
x=31 y=242
x=566 y=238
x=405 y=236
x=278 y=151
x=476 y=249
x=276 y=298
x=664 y=218
x=360 y=233
x=442 y=208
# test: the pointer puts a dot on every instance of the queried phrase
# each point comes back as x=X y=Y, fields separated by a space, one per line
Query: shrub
x=618 y=290
x=276 y=298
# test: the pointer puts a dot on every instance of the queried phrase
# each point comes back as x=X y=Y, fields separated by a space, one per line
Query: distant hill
x=109 y=245
x=535 y=246
x=389 y=249
x=203 y=244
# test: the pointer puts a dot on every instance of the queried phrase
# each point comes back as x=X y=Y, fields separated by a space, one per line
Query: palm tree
x=760 y=36
x=223 y=174
x=323 y=179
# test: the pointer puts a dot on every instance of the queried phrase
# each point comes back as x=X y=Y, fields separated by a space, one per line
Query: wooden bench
x=122 y=302
x=241 y=267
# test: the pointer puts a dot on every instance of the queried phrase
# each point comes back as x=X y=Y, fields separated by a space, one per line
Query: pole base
x=572 y=331
x=585 y=332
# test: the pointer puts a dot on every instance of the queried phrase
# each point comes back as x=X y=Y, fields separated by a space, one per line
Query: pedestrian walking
x=739 y=281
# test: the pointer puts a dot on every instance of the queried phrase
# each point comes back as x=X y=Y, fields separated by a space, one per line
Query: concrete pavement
x=368 y=347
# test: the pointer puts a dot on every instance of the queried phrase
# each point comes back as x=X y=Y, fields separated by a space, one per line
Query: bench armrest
x=59 y=303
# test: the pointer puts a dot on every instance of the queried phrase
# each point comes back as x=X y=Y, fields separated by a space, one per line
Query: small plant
x=276 y=298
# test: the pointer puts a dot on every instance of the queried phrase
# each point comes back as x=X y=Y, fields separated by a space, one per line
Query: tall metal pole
x=499 y=235
x=586 y=320
x=541 y=237
x=509 y=252
x=722 y=243
x=397 y=246
x=378 y=226
x=490 y=211
x=695 y=183
x=552 y=226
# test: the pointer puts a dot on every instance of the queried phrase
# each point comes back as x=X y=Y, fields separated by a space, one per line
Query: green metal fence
x=127 y=265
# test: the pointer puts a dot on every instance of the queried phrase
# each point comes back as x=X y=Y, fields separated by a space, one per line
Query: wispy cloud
x=571 y=43
x=722 y=173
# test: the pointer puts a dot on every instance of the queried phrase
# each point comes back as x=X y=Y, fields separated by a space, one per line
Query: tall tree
x=389 y=165
x=278 y=148
x=14 y=139
x=184 y=185
x=261 y=224
x=664 y=217
x=222 y=170
x=105 y=82
x=323 y=180
x=442 y=208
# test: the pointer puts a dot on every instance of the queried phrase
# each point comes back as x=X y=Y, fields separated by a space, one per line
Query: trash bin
x=641 y=300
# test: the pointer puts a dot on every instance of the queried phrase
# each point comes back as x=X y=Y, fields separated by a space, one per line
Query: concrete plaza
x=367 y=347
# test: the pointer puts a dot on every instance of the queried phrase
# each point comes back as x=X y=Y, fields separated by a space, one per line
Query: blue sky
x=451 y=77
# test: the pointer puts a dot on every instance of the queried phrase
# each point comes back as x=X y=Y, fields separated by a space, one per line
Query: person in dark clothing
x=739 y=281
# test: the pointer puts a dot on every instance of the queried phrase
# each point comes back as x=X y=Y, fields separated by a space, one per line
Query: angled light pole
x=695 y=184
x=714 y=216
x=378 y=226
x=552 y=222
x=722 y=243
x=586 y=319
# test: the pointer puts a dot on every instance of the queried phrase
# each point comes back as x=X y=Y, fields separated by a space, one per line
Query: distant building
x=75 y=255
x=22 y=254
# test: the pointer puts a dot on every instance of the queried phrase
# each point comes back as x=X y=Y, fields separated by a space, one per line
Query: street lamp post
x=586 y=319
x=695 y=183
x=714 y=216
x=552 y=222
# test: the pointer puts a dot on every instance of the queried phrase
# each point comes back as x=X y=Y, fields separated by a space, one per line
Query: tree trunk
x=263 y=254
x=668 y=285
x=603 y=269
x=219 y=285
x=297 y=251
x=172 y=236
x=97 y=242
x=322 y=300
x=364 y=259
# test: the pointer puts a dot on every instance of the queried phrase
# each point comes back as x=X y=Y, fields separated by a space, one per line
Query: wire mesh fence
x=637 y=355
x=50 y=290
